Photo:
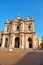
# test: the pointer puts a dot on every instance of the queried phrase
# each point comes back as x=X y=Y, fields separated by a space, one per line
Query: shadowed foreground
x=21 y=57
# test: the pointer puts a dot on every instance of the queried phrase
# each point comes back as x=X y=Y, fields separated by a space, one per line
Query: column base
x=22 y=47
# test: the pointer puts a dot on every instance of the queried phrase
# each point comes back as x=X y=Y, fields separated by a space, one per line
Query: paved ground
x=21 y=57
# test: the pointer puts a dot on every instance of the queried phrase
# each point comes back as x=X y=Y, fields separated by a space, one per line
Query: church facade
x=19 y=33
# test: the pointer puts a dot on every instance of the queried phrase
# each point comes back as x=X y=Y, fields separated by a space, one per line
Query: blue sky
x=34 y=8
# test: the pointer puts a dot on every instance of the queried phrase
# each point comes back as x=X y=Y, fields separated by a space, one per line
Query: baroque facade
x=19 y=33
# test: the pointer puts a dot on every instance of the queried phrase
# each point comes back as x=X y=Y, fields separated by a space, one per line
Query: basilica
x=19 y=33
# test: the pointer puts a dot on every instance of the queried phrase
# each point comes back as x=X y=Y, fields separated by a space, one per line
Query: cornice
x=19 y=33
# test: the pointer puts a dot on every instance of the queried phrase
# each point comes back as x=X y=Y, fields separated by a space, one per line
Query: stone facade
x=19 y=33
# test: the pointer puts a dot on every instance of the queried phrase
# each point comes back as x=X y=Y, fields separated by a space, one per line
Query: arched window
x=2 y=34
x=18 y=21
x=18 y=28
x=29 y=27
x=29 y=39
x=7 y=29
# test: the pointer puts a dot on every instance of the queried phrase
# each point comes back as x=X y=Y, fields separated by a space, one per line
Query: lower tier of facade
x=21 y=41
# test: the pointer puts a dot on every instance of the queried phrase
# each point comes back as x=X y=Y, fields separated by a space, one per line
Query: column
x=14 y=27
x=10 y=42
x=33 y=42
x=27 y=43
x=23 y=42
x=33 y=26
x=20 y=41
x=23 y=27
x=13 y=41
x=3 y=41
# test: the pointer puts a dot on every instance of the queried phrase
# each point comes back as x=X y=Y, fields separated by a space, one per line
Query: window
x=1 y=34
x=7 y=29
x=18 y=28
x=21 y=27
x=19 y=21
x=29 y=27
x=12 y=27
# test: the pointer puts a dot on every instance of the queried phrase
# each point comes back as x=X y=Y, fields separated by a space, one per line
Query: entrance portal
x=30 y=42
x=30 y=45
x=6 y=42
x=17 y=42
x=1 y=42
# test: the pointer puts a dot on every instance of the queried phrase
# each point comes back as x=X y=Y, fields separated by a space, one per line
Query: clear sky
x=34 y=8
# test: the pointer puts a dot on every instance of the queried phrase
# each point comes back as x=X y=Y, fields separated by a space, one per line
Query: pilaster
x=27 y=43
x=3 y=41
x=13 y=41
x=23 y=42
x=20 y=41
x=23 y=27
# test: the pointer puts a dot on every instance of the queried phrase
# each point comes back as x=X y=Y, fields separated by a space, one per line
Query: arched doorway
x=0 y=42
x=30 y=42
x=6 y=42
x=17 y=42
